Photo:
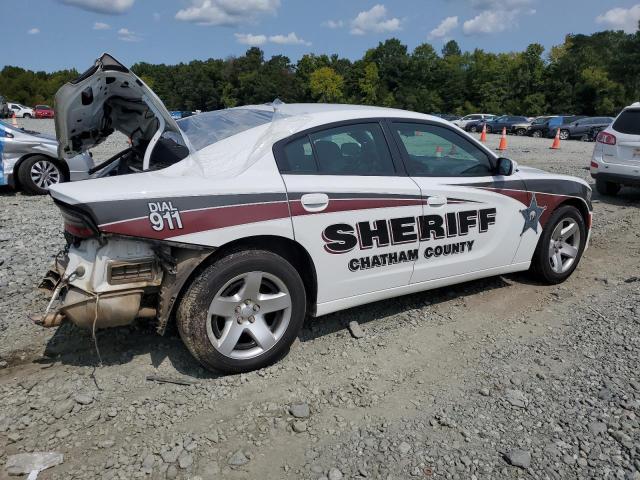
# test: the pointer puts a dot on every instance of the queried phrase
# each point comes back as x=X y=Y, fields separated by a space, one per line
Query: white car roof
x=340 y=111
x=230 y=156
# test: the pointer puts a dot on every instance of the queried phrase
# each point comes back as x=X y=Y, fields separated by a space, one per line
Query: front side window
x=435 y=151
x=359 y=149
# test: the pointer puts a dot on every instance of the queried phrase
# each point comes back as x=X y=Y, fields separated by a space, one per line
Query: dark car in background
x=583 y=127
x=548 y=125
x=505 y=121
x=43 y=111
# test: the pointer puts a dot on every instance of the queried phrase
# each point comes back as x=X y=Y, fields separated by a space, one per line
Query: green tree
x=370 y=84
x=326 y=85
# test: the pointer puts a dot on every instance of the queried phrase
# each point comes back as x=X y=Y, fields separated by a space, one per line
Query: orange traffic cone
x=503 y=140
x=14 y=122
x=483 y=135
x=439 y=150
x=556 y=141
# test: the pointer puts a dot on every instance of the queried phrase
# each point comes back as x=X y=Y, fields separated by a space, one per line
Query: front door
x=472 y=219
x=351 y=209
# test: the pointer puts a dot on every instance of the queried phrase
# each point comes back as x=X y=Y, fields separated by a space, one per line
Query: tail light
x=606 y=138
x=78 y=224
x=594 y=164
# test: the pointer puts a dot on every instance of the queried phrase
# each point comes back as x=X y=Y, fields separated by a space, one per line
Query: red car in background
x=43 y=111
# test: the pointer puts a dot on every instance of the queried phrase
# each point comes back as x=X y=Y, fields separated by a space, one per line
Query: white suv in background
x=616 y=156
x=21 y=111
x=462 y=122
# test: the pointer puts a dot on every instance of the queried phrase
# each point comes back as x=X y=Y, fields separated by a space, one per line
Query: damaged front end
x=102 y=281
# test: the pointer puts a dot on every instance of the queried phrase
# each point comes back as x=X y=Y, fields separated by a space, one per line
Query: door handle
x=314 y=202
x=436 y=201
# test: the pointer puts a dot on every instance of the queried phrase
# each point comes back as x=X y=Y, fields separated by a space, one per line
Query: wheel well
x=16 y=167
x=289 y=249
x=581 y=206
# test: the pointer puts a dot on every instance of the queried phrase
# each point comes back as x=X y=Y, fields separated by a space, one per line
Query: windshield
x=207 y=128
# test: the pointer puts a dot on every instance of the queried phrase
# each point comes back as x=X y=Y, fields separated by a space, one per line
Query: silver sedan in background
x=29 y=161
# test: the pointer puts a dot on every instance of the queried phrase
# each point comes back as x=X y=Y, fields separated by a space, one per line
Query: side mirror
x=506 y=166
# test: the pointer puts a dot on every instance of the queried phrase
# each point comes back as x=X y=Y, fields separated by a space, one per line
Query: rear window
x=628 y=122
x=207 y=128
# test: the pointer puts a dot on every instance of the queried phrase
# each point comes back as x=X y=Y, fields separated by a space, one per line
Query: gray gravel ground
x=498 y=378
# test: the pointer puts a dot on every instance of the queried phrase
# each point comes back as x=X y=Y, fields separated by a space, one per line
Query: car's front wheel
x=243 y=312
x=521 y=132
x=564 y=134
x=26 y=115
x=37 y=173
x=536 y=134
x=560 y=246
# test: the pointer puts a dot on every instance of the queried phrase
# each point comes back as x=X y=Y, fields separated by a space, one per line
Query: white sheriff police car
x=240 y=223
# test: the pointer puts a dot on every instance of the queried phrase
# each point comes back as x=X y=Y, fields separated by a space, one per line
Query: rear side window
x=628 y=122
x=359 y=149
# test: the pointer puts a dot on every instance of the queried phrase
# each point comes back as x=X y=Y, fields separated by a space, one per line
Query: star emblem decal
x=532 y=215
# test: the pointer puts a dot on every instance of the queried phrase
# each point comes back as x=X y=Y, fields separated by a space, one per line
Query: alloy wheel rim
x=564 y=245
x=249 y=315
x=44 y=174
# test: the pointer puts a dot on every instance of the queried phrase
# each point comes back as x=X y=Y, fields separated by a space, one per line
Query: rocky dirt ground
x=498 y=378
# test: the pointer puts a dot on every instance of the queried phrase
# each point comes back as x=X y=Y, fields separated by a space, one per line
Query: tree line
x=595 y=74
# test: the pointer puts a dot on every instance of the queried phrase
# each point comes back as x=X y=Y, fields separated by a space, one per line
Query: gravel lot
x=498 y=378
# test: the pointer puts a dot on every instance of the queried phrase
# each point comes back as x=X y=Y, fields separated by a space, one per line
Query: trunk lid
x=106 y=98
x=626 y=128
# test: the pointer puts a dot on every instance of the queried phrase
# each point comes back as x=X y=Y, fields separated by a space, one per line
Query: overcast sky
x=54 y=34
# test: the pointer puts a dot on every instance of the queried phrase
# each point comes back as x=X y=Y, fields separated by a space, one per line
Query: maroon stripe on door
x=548 y=200
x=344 y=205
x=203 y=220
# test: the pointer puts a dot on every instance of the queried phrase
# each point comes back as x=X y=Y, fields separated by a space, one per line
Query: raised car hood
x=105 y=98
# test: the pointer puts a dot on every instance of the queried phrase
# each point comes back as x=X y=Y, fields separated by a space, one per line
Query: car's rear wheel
x=243 y=312
x=536 y=134
x=37 y=173
x=473 y=129
x=521 y=132
x=607 y=188
x=489 y=129
x=560 y=246
x=26 y=115
x=564 y=134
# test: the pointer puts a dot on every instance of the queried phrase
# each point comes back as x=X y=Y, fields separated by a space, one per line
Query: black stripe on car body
x=119 y=210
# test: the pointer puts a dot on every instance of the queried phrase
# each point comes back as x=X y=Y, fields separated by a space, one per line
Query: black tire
x=25 y=178
x=536 y=134
x=609 y=189
x=521 y=132
x=26 y=115
x=540 y=264
x=473 y=129
x=564 y=135
x=489 y=129
x=192 y=315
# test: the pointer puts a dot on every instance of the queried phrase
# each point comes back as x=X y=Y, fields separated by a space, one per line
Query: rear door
x=351 y=206
x=472 y=219
x=626 y=128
